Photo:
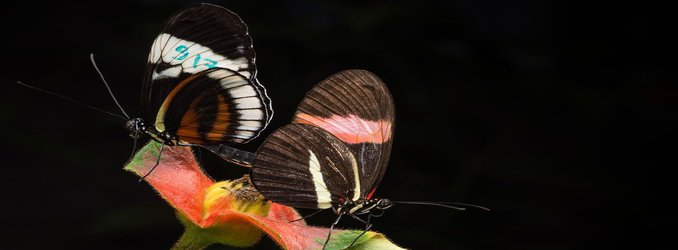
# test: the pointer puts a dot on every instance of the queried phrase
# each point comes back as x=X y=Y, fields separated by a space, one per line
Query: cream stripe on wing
x=356 y=189
x=193 y=57
x=322 y=193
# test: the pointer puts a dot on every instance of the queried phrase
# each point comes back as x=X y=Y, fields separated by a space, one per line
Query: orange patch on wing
x=351 y=129
x=221 y=123
x=190 y=124
x=188 y=129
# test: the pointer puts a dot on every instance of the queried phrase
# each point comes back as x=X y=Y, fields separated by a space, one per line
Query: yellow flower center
x=236 y=195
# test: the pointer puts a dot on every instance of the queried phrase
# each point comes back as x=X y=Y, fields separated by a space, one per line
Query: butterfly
x=200 y=85
x=335 y=152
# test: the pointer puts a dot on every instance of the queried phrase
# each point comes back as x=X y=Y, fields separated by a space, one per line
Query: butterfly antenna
x=91 y=57
x=453 y=205
x=69 y=99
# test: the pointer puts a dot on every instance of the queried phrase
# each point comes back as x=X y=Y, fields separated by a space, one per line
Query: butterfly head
x=384 y=204
x=136 y=127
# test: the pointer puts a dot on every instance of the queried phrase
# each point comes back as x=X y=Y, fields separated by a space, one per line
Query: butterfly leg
x=329 y=234
x=367 y=223
x=134 y=150
x=157 y=162
x=382 y=211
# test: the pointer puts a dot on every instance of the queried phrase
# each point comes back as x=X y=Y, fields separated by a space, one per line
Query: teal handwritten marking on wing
x=182 y=49
x=210 y=63
x=197 y=59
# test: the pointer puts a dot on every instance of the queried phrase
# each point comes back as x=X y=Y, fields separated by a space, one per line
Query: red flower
x=232 y=212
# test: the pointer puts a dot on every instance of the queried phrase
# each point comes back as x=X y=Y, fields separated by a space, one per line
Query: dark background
x=557 y=115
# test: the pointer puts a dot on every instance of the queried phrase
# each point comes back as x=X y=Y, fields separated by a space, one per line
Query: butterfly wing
x=356 y=107
x=212 y=106
x=336 y=148
x=195 y=39
x=306 y=167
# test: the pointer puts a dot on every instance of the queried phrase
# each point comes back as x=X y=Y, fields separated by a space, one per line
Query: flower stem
x=191 y=239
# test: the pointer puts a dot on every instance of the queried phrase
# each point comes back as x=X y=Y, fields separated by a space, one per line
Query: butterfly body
x=362 y=206
x=137 y=128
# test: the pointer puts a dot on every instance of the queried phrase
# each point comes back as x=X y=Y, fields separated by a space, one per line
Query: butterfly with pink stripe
x=335 y=151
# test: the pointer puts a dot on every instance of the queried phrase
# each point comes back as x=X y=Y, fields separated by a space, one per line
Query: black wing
x=357 y=108
x=195 y=39
x=304 y=166
x=211 y=107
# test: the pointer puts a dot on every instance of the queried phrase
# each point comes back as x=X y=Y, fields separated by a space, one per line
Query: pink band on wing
x=351 y=129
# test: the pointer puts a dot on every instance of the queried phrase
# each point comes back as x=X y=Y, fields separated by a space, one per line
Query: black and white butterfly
x=200 y=85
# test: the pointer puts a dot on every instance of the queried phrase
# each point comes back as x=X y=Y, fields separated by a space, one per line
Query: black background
x=556 y=115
